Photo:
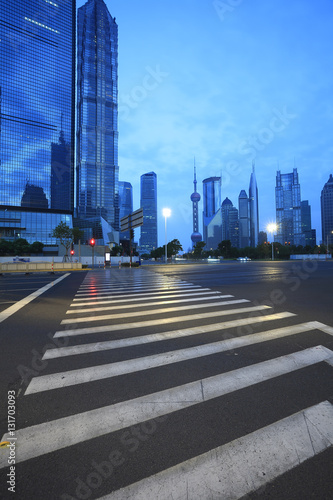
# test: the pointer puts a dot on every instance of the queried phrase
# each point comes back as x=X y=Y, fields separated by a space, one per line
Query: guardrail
x=38 y=267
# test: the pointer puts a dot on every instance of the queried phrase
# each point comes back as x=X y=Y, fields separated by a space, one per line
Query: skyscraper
x=230 y=225
x=125 y=204
x=211 y=202
x=97 y=114
x=195 y=198
x=244 y=220
x=326 y=202
x=288 y=209
x=253 y=209
x=308 y=233
x=37 y=106
x=148 y=239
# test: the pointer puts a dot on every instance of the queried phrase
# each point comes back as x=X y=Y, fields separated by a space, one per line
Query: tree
x=65 y=234
x=21 y=246
x=174 y=247
x=36 y=247
x=225 y=248
x=77 y=234
x=198 y=249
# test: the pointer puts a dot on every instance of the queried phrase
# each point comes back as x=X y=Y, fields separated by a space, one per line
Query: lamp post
x=271 y=228
x=166 y=213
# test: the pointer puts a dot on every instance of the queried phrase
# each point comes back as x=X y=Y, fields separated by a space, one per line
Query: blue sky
x=227 y=82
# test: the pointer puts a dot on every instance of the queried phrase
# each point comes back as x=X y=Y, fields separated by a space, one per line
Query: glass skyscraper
x=211 y=202
x=326 y=202
x=125 y=204
x=148 y=238
x=97 y=114
x=37 y=116
x=253 y=210
x=244 y=220
x=288 y=209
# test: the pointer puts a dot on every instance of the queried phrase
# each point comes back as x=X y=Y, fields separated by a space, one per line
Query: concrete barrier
x=37 y=267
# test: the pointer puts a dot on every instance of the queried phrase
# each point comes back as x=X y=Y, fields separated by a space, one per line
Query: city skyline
x=252 y=86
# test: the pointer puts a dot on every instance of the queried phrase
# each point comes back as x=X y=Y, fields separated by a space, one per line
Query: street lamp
x=271 y=228
x=166 y=213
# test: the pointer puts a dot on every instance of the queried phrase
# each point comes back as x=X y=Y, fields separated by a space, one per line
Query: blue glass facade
x=37 y=108
x=211 y=201
x=148 y=239
x=326 y=204
x=288 y=209
x=97 y=114
x=125 y=204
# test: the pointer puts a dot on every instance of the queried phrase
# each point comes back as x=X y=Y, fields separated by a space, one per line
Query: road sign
x=132 y=221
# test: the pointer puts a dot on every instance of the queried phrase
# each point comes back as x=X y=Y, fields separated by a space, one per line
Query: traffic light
x=92 y=242
x=72 y=252
x=72 y=249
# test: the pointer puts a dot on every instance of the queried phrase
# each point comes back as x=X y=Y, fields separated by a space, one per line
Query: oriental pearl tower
x=195 y=198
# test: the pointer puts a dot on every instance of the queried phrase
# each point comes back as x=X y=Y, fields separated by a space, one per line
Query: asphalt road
x=172 y=382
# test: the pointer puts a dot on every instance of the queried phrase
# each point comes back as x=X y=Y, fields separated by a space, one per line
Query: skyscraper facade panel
x=148 y=202
x=288 y=209
x=37 y=106
x=125 y=204
x=326 y=202
x=211 y=201
x=97 y=114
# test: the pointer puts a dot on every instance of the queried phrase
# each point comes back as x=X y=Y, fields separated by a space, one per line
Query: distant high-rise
x=97 y=114
x=244 y=220
x=148 y=238
x=195 y=198
x=326 y=202
x=211 y=202
x=230 y=226
x=37 y=106
x=125 y=204
x=308 y=233
x=288 y=209
x=253 y=209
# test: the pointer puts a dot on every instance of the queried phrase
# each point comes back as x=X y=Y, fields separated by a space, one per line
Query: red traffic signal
x=72 y=252
x=92 y=242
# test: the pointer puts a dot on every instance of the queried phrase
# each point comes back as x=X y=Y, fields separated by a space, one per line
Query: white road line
x=176 y=319
x=23 y=302
x=128 y=289
x=144 y=296
x=242 y=466
x=68 y=431
x=151 y=312
x=109 y=370
x=232 y=343
x=129 y=305
x=324 y=328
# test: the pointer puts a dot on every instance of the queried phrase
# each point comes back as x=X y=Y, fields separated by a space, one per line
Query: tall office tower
x=230 y=223
x=308 y=233
x=244 y=220
x=195 y=198
x=288 y=209
x=326 y=202
x=37 y=106
x=148 y=238
x=211 y=202
x=97 y=114
x=125 y=204
x=253 y=209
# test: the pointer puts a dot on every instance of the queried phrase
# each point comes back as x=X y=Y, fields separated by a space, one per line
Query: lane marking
x=68 y=431
x=23 y=302
x=110 y=370
x=131 y=289
x=151 y=312
x=176 y=319
x=137 y=297
x=232 y=343
x=129 y=305
x=244 y=465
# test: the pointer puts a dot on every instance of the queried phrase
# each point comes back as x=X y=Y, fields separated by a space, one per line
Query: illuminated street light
x=271 y=228
x=166 y=213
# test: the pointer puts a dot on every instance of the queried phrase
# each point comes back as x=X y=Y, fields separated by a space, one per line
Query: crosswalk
x=145 y=360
